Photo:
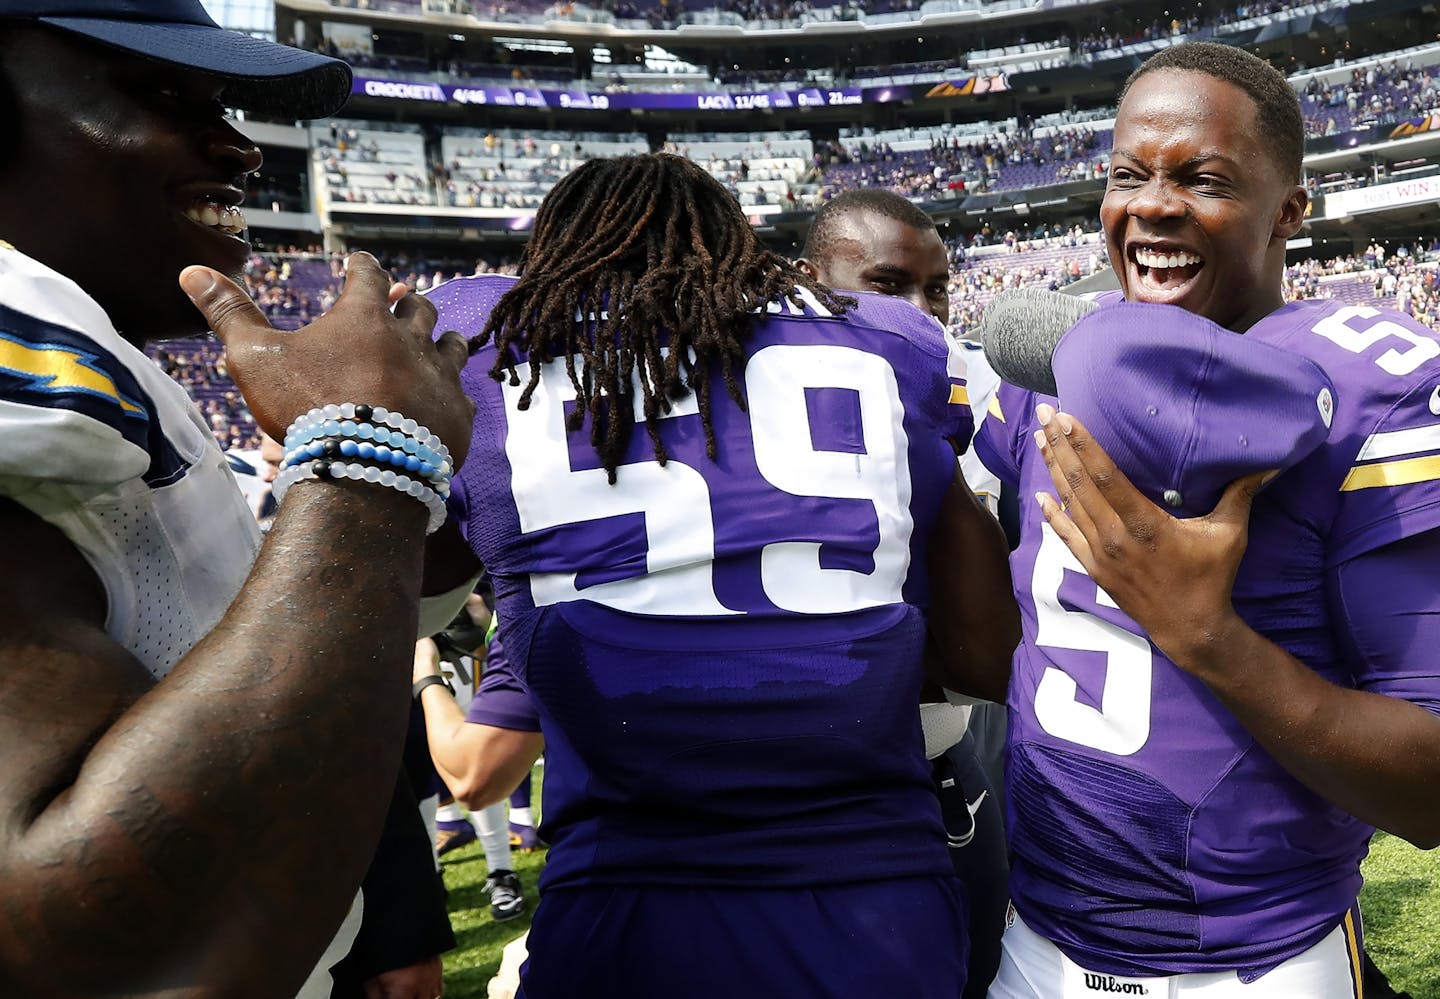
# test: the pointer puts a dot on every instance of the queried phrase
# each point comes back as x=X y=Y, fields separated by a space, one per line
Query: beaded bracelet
x=367 y=433
x=326 y=470
x=357 y=414
x=339 y=449
x=371 y=433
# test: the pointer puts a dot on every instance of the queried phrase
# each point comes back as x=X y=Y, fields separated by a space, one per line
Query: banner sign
x=585 y=100
x=1370 y=199
x=1414 y=126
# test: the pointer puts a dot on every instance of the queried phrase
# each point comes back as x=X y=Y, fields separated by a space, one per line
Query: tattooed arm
x=157 y=835
x=171 y=837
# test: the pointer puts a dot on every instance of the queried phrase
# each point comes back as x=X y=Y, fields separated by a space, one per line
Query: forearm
x=444 y=731
x=502 y=765
x=480 y=764
x=973 y=614
x=200 y=814
x=1375 y=756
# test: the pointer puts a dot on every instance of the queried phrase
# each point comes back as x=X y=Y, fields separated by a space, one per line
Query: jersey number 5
x=1121 y=725
x=1337 y=329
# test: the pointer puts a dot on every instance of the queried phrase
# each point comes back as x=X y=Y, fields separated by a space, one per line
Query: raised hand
x=360 y=352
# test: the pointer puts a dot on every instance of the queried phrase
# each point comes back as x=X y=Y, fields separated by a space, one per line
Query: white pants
x=1032 y=967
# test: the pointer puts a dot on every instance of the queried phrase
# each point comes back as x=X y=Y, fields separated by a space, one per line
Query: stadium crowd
x=1376 y=94
x=296 y=285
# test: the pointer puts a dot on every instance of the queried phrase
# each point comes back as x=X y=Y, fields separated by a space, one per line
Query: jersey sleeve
x=71 y=411
x=501 y=700
x=1391 y=488
x=997 y=441
x=959 y=418
x=1391 y=609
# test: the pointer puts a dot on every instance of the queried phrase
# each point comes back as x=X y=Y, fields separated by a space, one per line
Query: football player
x=1210 y=714
x=705 y=487
x=172 y=741
x=875 y=240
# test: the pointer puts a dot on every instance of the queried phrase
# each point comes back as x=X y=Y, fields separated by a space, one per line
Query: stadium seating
x=293 y=289
x=515 y=170
x=361 y=163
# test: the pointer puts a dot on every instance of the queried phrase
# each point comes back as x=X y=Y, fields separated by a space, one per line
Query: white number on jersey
x=775 y=382
x=1122 y=723
x=675 y=498
x=1337 y=329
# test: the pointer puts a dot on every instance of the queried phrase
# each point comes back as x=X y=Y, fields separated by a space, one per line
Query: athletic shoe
x=525 y=839
x=451 y=834
x=506 y=900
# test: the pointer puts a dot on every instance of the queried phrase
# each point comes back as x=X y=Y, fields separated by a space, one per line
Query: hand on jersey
x=1173 y=577
x=360 y=351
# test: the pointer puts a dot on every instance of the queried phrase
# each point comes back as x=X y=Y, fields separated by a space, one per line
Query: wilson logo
x=1107 y=983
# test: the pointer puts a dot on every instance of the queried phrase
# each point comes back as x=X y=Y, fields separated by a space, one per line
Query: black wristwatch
x=426 y=681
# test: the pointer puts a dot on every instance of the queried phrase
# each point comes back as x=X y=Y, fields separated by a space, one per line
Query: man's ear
x=1292 y=213
x=808 y=268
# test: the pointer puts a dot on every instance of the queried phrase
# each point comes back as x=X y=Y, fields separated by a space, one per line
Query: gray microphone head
x=1020 y=329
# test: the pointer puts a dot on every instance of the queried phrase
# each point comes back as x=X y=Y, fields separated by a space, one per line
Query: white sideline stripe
x=1390 y=444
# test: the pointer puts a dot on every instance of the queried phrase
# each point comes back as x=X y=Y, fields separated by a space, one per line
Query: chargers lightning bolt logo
x=56 y=368
x=46 y=365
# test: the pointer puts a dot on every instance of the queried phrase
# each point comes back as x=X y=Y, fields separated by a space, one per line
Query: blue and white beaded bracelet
x=370 y=433
x=356 y=414
x=325 y=469
x=344 y=448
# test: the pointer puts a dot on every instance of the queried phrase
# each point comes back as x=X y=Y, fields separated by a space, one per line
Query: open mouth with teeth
x=1165 y=271
x=214 y=215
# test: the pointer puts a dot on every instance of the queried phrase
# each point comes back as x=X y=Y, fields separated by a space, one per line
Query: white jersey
x=982 y=381
x=99 y=442
x=246 y=464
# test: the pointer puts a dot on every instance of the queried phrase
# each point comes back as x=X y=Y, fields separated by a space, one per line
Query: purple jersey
x=501 y=700
x=1152 y=835
x=726 y=654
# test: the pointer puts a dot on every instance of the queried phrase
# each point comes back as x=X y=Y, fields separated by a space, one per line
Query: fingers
x=364 y=278
x=1234 y=505
x=454 y=349
x=418 y=312
x=1066 y=530
x=1093 y=477
x=398 y=290
x=227 y=309
x=1068 y=473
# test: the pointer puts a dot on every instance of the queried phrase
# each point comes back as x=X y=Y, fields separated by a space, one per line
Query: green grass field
x=1401 y=902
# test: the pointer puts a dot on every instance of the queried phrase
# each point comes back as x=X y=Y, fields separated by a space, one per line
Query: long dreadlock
x=627 y=254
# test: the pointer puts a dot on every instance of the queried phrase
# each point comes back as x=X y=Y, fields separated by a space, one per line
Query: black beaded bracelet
x=426 y=681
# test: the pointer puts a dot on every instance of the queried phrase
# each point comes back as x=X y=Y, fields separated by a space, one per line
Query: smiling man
x=875 y=240
x=1212 y=711
x=168 y=686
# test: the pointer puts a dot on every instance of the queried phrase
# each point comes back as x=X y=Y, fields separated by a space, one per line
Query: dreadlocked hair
x=630 y=255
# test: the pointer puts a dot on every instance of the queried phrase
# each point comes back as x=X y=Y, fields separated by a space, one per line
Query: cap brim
x=259 y=75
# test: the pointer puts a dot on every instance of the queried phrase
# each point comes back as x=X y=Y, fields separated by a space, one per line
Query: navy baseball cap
x=1184 y=407
x=259 y=75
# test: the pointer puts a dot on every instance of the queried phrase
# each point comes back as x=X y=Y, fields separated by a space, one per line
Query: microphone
x=1020 y=329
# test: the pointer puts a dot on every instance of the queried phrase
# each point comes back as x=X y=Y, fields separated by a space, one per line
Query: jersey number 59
x=675 y=499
